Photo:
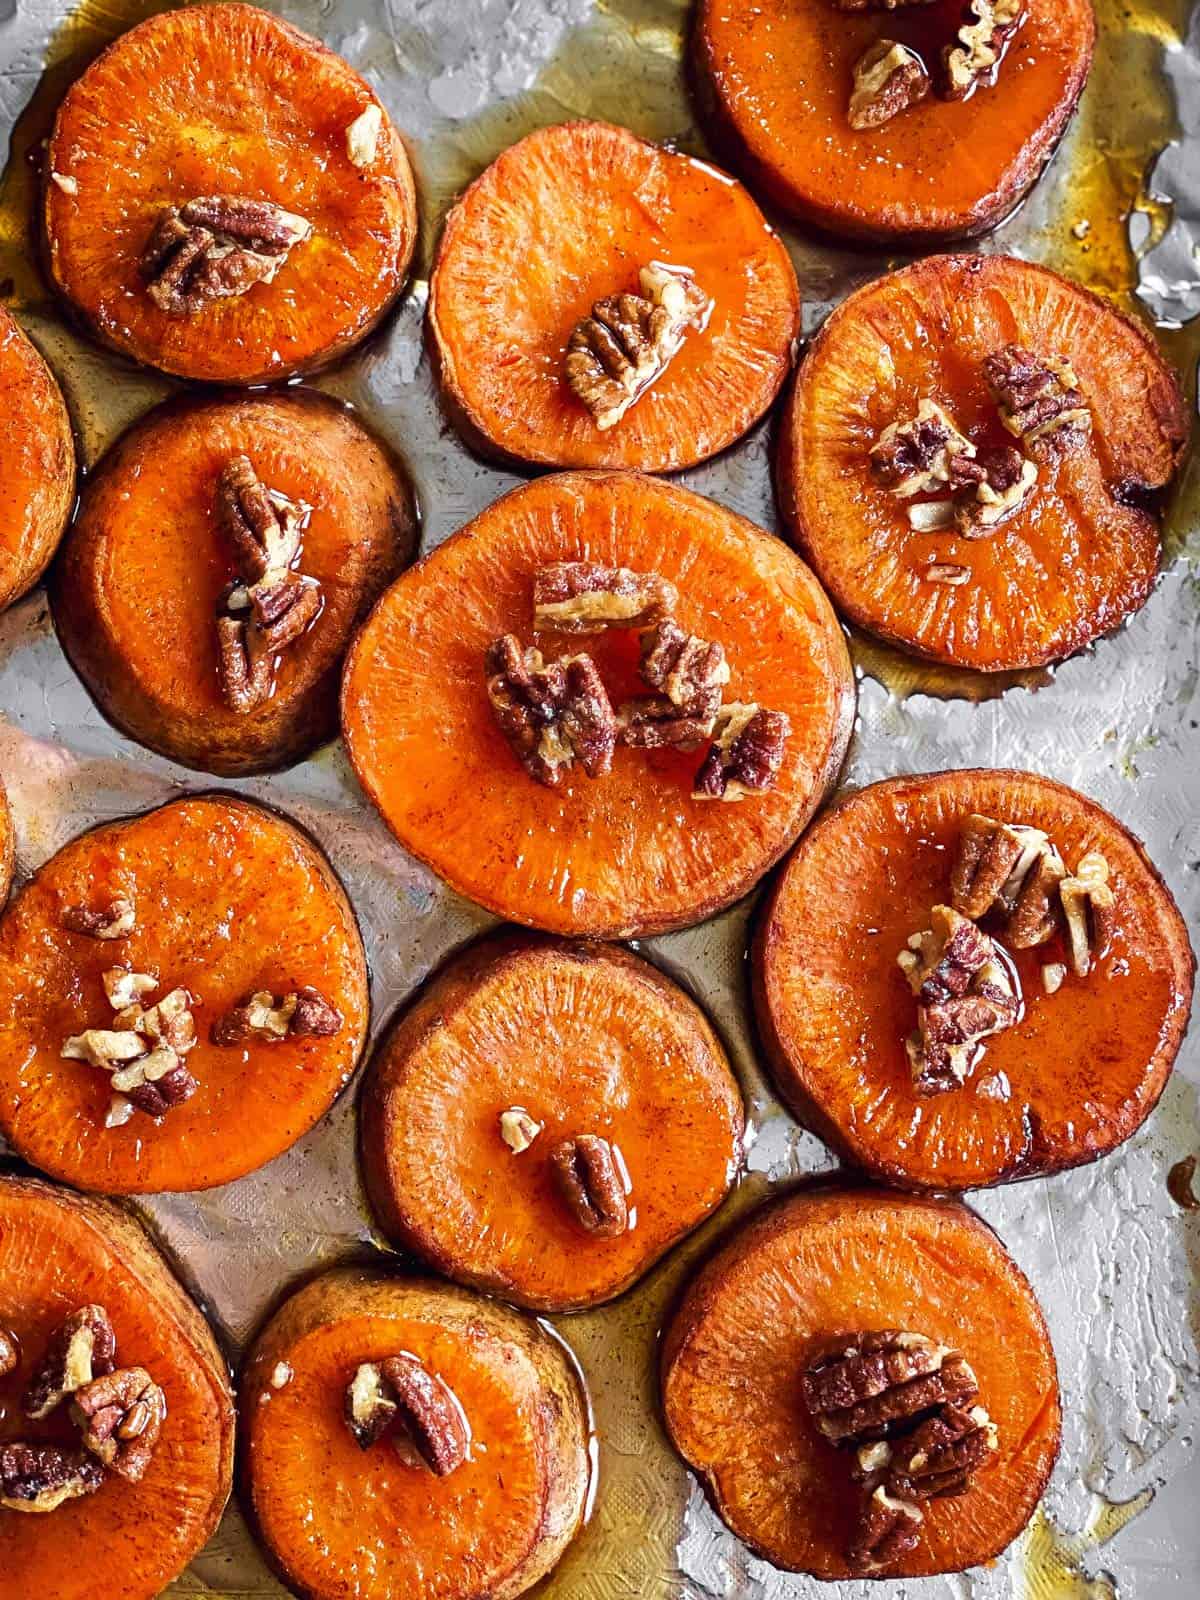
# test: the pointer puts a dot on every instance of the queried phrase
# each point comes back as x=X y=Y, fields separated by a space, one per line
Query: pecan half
x=83 y=1348
x=964 y=993
x=917 y=455
x=591 y=1181
x=10 y=1353
x=888 y=78
x=747 y=752
x=1089 y=905
x=691 y=672
x=118 y=919
x=551 y=713
x=370 y=1405
x=888 y=1528
x=614 y=355
x=981 y=41
x=121 y=1415
x=867 y=1386
x=214 y=247
x=262 y=526
x=1037 y=397
x=428 y=1412
x=584 y=597
x=653 y=723
x=304 y=1013
x=39 y=1478
x=1009 y=870
x=938 y=1459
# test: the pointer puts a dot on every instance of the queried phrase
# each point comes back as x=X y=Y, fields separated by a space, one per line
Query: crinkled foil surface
x=1115 y=1261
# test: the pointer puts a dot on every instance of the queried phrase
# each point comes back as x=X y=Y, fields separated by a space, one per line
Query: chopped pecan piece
x=583 y=597
x=263 y=527
x=118 y=919
x=868 y=1386
x=888 y=78
x=1089 y=904
x=143 y=1050
x=304 y=1013
x=121 y=1415
x=429 y=1413
x=614 y=355
x=947 y=572
x=747 y=753
x=888 y=1528
x=964 y=996
x=653 y=723
x=41 y=1477
x=1010 y=870
x=362 y=136
x=1036 y=397
x=551 y=713
x=919 y=455
x=591 y=1180
x=370 y=1405
x=83 y=1348
x=10 y=1353
x=980 y=44
x=518 y=1129
x=123 y=987
x=939 y=1457
x=216 y=246
x=691 y=672
x=1004 y=482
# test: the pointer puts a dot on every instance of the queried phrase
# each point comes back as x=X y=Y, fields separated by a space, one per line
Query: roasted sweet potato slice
x=61 y=1252
x=566 y=219
x=311 y=240
x=1080 y=551
x=210 y=897
x=344 y=1510
x=143 y=589
x=832 y=1262
x=1079 y=1070
x=37 y=463
x=517 y=1048
x=776 y=81
x=7 y=845
x=630 y=851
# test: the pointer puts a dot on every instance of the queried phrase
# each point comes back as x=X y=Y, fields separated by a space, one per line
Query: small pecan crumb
x=964 y=995
x=118 y=919
x=917 y=455
x=980 y=43
x=591 y=1181
x=653 y=723
x=10 y=1353
x=65 y=182
x=551 y=713
x=304 y=1013
x=281 y=1375
x=518 y=1129
x=370 y=1406
x=931 y=516
x=1053 y=976
x=39 y=1478
x=746 y=755
x=614 y=355
x=1004 y=482
x=1089 y=905
x=584 y=597
x=124 y=987
x=888 y=78
x=947 y=572
x=214 y=247
x=1036 y=397
x=84 y=1347
x=691 y=672
x=362 y=136
x=121 y=1415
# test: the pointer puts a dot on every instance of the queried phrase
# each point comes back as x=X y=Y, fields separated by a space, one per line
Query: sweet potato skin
x=843 y=210
x=108 y=1532
x=8 y=846
x=575 y=516
x=364 y=1302
x=247 y=864
x=1041 y=1148
x=571 y=1273
x=280 y=82
x=37 y=463
x=791 y=1242
x=134 y=595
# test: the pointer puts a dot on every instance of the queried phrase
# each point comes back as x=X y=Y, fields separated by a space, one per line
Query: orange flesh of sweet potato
x=632 y=851
x=833 y=1261
x=135 y=595
x=566 y=218
x=1066 y=1084
x=587 y=1041
x=226 y=99
x=1076 y=559
x=337 y=1520
x=37 y=463
x=60 y=1251
x=230 y=900
x=776 y=78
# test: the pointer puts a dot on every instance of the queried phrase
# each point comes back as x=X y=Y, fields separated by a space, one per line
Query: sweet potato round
x=631 y=852
x=230 y=899
x=135 y=593
x=587 y=1040
x=565 y=218
x=823 y=1262
x=37 y=463
x=336 y=1520
x=8 y=842
x=1079 y=557
x=226 y=99
x=775 y=81
x=60 y=1251
x=1080 y=1071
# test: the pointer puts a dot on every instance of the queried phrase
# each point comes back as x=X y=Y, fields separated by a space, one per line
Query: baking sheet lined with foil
x=1115 y=1260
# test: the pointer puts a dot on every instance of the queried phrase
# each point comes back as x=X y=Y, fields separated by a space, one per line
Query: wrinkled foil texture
x=1115 y=1262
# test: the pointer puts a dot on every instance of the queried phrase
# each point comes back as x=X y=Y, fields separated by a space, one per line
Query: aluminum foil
x=1115 y=1261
